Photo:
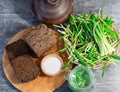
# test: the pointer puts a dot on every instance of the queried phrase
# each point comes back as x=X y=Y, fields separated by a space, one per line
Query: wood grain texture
x=42 y=83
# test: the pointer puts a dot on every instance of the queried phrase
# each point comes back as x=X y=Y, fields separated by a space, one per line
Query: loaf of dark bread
x=39 y=39
x=25 y=68
x=16 y=49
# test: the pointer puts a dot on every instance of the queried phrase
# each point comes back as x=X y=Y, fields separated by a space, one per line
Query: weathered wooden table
x=15 y=15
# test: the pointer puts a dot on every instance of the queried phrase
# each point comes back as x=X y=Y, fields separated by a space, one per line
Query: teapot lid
x=52 y=11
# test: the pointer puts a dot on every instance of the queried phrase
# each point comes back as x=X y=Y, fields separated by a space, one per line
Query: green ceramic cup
x=80 y=79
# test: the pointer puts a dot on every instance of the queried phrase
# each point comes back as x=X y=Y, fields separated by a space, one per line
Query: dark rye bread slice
x=40 y=39
x=25 y=68
x=17 y=48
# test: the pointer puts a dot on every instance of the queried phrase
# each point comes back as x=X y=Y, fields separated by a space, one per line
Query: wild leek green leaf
x=115 y=56
x=89 y=40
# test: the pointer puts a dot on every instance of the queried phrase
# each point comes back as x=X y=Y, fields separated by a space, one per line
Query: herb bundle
x=81 y=79
x=89 y=40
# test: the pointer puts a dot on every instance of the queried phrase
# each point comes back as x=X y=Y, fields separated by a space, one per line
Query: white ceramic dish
x=51 y=65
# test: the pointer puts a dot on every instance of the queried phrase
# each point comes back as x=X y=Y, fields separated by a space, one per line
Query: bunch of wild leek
x=89 y=40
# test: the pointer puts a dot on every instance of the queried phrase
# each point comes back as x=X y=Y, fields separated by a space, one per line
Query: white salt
x=51 y=65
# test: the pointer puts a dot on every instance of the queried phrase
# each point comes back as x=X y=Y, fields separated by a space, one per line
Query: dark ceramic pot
x=52 y=11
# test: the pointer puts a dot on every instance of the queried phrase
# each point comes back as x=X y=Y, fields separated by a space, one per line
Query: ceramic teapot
x=52 y=11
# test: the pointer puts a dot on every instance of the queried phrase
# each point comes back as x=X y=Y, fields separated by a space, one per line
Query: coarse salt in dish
x=51 y=65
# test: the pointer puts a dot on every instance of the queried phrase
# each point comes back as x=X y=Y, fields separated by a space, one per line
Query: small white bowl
x=51 y=65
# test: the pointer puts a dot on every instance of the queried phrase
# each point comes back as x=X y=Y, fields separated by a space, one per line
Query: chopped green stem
x=66 y=65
